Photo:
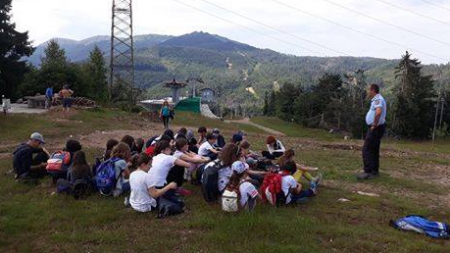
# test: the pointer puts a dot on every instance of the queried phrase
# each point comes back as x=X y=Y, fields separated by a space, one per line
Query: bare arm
x=378 y=113
x=306 y=168
x=192 y=159
x=156 y=193
x=182 y=163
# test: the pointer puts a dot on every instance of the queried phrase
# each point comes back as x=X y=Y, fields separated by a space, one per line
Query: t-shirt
x=23 y=157
x=161 y=165
x=119 y=167
x=205 y=148
x=178 y=154
x=140 y=199
x=224 y=177
x=247 y=190
x=165 y=111
x=287 y=183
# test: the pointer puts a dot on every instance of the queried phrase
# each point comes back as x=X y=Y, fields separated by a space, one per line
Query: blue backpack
x=106 y=177
x=422 y=225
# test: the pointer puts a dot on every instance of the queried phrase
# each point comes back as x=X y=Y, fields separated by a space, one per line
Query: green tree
x=97 y=72
x=13 y=47
x=266 y=104
x=272 y=103
x=413 y=108
x=54 y=55
x=285 y=101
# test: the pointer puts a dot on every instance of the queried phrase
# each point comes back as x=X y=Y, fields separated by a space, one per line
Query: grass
x=32 y=219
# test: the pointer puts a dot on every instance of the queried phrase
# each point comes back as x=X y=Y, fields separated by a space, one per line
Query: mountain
x=231 y=68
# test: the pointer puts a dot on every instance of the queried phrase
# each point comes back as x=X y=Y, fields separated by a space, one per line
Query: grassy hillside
x=413 y=181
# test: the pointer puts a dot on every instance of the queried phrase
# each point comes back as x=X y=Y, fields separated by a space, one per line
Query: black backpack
x=170 y=204
x=210 y=181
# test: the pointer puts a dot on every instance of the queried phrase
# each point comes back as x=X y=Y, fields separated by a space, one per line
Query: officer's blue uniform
x=371 y=149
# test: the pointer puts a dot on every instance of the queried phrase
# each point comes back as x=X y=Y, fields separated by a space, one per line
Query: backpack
x=58 y=162
x=271 y=189
x=230 y=201
x=210 y=181
x=422 y=225
x=169 y=204
x=150 y=151
x=106 y=177
x=150 y=141
x=79 y=189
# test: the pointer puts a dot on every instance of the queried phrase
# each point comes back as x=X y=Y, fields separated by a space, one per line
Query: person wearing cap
x=30 y=159
x=220 y=143
x=239 y=180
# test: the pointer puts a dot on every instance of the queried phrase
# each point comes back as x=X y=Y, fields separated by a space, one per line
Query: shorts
x=67 y=102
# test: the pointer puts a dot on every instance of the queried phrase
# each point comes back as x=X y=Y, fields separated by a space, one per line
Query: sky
x=375 y=28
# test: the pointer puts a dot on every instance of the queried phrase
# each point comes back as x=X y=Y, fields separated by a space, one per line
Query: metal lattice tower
x=122 y=48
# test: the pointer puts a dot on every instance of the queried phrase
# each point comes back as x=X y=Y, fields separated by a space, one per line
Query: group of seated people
x=151 y=173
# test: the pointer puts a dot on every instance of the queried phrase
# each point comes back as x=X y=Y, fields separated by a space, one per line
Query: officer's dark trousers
x=371 y=149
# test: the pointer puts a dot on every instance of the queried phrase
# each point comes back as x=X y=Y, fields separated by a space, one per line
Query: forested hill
x=229 y=67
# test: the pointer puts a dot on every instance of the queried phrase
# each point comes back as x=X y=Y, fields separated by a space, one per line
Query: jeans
x=166 y=121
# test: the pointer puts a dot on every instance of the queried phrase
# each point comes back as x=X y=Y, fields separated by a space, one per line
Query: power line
x=247 y=28
x=435 y=5
x=387 y=23
x=277 y=29
x=413 y=12
x=355 y=30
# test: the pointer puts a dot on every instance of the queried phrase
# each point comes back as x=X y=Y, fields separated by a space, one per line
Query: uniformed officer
x=376 y=120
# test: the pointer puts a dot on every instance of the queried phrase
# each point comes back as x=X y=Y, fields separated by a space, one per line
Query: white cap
x=240 y=167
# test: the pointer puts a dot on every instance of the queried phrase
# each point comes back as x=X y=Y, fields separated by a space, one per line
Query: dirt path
x=248 y=122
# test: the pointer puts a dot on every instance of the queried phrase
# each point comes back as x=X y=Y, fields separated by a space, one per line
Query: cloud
x=45 y=19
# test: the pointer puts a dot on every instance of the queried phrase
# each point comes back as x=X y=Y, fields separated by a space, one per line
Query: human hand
x=173 y=186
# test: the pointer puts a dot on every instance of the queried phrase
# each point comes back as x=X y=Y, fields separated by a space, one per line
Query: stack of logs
x=78 y=101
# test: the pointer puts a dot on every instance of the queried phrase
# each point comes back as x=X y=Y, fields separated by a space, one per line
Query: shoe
x=366 y=176
x=313 y=186
x=183 y=192
x=318 y=178
x=126 y=202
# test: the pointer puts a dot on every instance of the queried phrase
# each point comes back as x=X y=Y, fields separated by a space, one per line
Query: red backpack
x=271 y=188
x=59 y=161
x=150 y=151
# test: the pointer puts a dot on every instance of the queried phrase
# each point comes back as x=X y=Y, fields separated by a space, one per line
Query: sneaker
x=184 y=192
x=313 y=186
x=126 y=202
x=318 y=178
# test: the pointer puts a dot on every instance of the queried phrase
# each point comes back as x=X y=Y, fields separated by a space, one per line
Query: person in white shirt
x=143 y=193
x=230 y=154
x=182 y=152
x=376 y=121
x=275 y=148
x=162 y=165
x=239 y=181
x=291 y=188
x=207 y=149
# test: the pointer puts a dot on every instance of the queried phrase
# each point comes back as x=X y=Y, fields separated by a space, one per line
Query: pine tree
x=97 y=71
x=13 y=46
x=54 y=56
x=413 y=108
x=272 y=103
x=285 y=101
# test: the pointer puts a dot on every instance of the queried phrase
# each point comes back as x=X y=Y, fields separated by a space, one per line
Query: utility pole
x=122 y=48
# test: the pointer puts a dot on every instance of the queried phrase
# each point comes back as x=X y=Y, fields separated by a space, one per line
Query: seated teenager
x=302 y=170
x=202 y=132
x=230 y=154
x=79 y=170
x=110 y=144
x=139 y=145
x=182 y=152
x=30 y=159
x=150 y=150
x=181 y=133
x=129 y=140
x=236 y=139
x=143 y=193
x=123 y=154
x=220 y=143
x=163 y=166
x=239 y=180
x=72 y=146
x=292 y=190
x=275 y=148
x=246 y=157
x=192 y=142
x=207 y=149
